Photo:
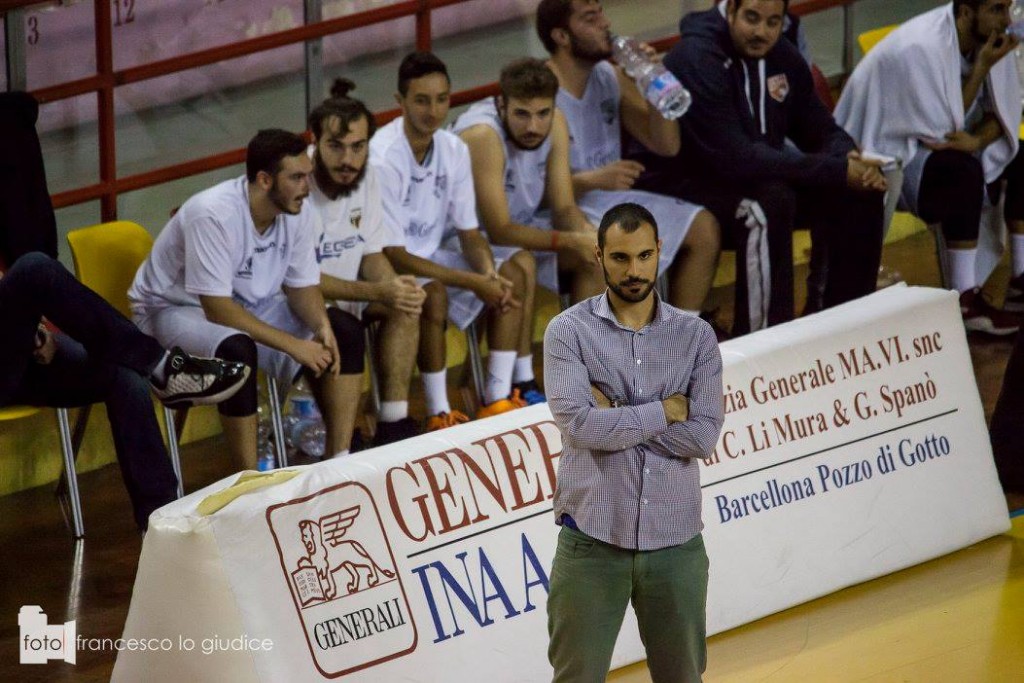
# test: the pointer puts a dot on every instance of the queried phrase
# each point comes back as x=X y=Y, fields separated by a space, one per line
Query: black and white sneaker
x=1014 y=302
x=390 y=432
x=191 y=381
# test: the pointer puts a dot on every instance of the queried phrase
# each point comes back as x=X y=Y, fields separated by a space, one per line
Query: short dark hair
x=736 y=4
x=346 y=109
x=629 y=217
x=526 y=79
x=268 y=148
x=552 y=14
x=973 y=4
x=417 y=65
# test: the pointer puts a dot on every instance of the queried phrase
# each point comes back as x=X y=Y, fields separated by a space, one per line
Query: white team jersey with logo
x=211 y=247
x=594 y=133
x=526 y=171
x=423 y=203
x=347 y=228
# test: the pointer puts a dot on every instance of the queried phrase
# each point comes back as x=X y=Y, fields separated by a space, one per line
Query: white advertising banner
x=854 y=445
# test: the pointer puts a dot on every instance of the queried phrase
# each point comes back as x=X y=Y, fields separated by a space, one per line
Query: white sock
x=393 y=411
x=340 y=454
x=160 y=371
x=961 y=269
x=524 y=369
x=1017 y=245
x=499 y=375
x=435 y=386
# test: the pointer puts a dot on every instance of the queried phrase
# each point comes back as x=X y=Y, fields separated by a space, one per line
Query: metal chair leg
x=941 y=252
x=172 y=447
x=371 y=357
x=475 y=361
x=68 y=452
x=277 y=421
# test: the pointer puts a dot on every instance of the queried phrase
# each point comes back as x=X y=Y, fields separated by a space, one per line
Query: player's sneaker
x=445 y=420
x=502 y=405
x=981 y=316
x=530 y=392
x=1015 y=295
x=191 y=381
x=390 y=432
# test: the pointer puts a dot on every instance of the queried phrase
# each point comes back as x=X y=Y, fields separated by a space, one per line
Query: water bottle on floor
x=659 y=85
x=305 y=426
x=265 y=456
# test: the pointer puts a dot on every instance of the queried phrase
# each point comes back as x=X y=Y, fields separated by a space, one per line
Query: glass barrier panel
x=196 y=113
x=70 y=142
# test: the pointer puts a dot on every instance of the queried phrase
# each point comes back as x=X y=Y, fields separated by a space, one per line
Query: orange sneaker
x=445 y=420
x=502 y=405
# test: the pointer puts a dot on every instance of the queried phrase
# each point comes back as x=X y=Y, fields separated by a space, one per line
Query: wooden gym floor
x=959 y=618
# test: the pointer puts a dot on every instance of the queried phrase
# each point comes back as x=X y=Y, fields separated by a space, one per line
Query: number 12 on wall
x=124 y=12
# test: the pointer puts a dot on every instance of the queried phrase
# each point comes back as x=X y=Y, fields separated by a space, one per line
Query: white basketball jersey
x=211 y=247
x=423 y=203
x=594 y=130
x=347 y=228
x=525 y=170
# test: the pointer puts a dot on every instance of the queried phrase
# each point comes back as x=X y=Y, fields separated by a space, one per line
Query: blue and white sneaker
x=530 y=392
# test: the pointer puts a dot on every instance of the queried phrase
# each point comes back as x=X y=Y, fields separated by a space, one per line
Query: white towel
x=908 y=88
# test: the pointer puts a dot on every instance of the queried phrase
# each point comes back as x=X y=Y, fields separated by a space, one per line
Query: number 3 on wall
x=33 y=30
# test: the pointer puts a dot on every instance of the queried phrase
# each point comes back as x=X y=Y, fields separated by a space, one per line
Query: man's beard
x=978 y=37
x=620 y=288
x=278 y=200
x=580 y=52
x=512 y=138
x=332 y=188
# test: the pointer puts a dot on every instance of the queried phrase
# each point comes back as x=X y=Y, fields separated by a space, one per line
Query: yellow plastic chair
x=74 y=516
x=869 y=39
x=106 y=257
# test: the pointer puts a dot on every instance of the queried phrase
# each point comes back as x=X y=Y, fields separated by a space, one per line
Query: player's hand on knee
x=864 y=174
x=496 y=292
x=405 y=295
x=312 y=354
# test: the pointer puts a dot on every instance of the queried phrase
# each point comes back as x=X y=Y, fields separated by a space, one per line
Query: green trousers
x=591 y=584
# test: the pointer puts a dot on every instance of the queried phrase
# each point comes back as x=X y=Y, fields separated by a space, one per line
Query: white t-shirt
x=424 y=204
x=594 y=131
x=211 y=247
x=526 y=171
x=347 y=228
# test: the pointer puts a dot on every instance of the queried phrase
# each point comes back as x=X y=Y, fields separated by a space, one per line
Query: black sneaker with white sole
x=192 y=381
x=390 y=432
x=1014 y=301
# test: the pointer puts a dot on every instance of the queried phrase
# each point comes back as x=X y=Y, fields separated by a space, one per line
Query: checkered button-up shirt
x=626 y=477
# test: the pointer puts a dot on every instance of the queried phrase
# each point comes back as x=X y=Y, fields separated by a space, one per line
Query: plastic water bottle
x=304 y=428
x=312 y=438
x=1016 y=29
x=265 y=458
x=659 y=85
